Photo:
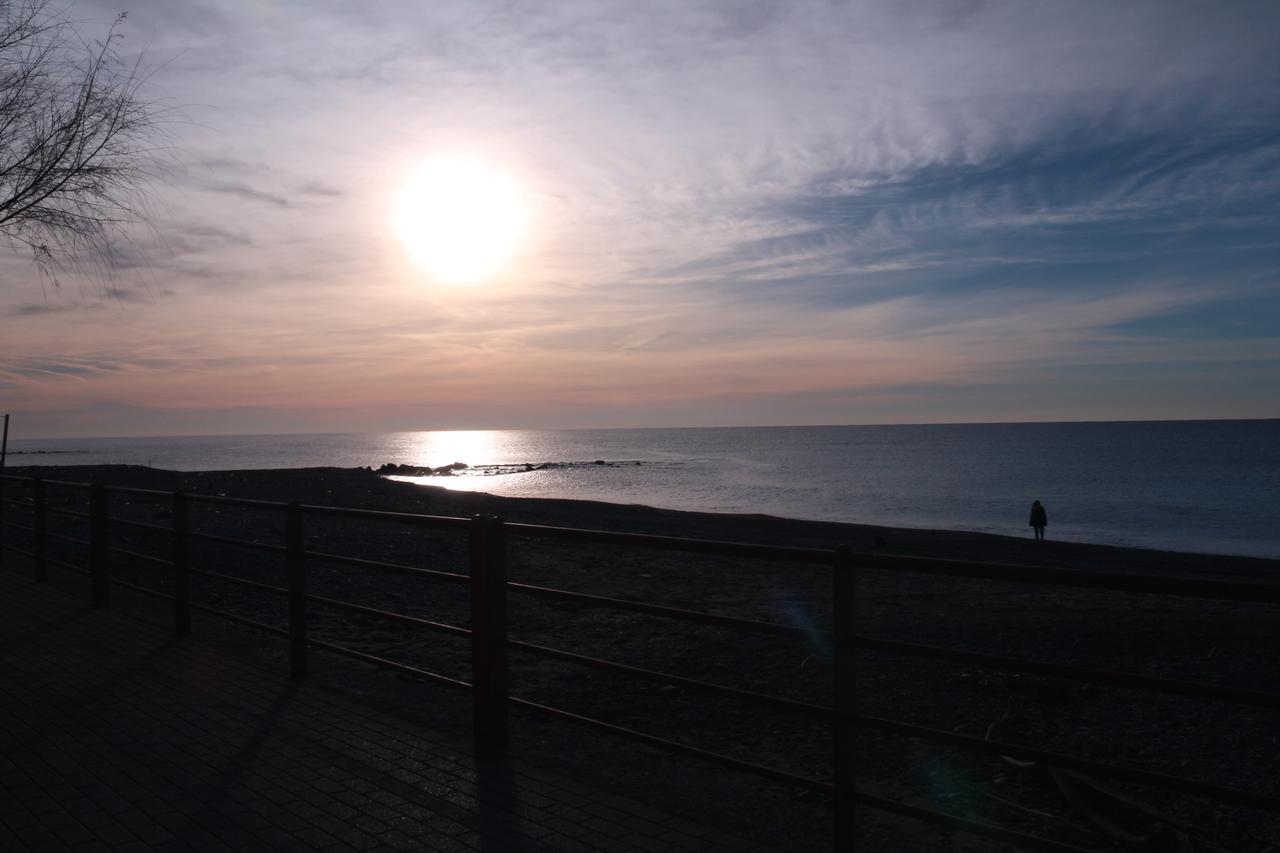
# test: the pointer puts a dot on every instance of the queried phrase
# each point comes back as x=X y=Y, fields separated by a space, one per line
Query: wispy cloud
x=249 y=192
x=837 y=208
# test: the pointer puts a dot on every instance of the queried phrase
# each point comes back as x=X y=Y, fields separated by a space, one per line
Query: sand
x=1175 y=637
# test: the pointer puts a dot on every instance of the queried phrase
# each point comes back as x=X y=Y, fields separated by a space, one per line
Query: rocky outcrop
x=420 y=471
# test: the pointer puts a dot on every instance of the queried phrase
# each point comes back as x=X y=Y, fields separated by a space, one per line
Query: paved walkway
x=114 y=736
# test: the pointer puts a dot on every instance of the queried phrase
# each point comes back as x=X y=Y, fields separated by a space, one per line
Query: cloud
x=805 y=201
x=246 y=191
x=1072 y=199
x=33 y=367
x=321 y=189
x=31 y=309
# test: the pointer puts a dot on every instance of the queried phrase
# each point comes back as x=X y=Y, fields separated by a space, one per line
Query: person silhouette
x=1039 y=520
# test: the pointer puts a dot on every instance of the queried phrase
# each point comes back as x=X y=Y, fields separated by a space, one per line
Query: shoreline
x=365 y=488
x=1209 y=494
x=1148 y=534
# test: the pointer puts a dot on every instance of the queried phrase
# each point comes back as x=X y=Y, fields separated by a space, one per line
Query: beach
x=1188 y=639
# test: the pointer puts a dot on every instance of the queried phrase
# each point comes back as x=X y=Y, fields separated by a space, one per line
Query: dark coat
x=1039 y=518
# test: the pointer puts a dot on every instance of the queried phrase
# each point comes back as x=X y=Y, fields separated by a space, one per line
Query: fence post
x=3 y=498
x=295 y=544
x=4 y=449
x=38 y=522
x=99 y=546
x=489 y=634
x=844 y=600
x=181 y=565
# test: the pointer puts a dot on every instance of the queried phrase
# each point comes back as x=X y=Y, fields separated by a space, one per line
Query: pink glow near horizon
x=737 y=220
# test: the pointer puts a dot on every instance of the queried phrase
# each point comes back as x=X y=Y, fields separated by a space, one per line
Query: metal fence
x=26 y=510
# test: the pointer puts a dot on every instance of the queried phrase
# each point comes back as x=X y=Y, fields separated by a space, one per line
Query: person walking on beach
x=1039 y=520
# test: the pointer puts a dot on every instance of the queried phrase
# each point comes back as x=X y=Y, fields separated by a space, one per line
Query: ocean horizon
x=1198 y=486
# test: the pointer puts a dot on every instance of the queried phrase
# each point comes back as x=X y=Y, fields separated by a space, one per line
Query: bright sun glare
x=460 y=219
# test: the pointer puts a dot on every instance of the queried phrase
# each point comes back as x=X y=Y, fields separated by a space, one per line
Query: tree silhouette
x=74 y=134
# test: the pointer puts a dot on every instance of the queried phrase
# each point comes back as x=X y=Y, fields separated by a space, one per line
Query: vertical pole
x=38 y=523
x=844 y=601
x=489 y=634
x=295 y=544
x=4 y=449
x=181 y=565
x=99 y=555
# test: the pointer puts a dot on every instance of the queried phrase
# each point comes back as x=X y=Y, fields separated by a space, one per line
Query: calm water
x=1209 y=486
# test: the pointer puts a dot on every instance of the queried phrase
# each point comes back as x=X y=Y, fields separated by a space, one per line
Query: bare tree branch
x=74 y=134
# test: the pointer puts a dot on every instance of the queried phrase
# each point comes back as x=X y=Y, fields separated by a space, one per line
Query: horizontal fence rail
x=242 y=543
x=394 y=568
x=486 y=579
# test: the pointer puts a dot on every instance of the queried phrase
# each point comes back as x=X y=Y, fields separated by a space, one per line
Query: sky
x=734 y=213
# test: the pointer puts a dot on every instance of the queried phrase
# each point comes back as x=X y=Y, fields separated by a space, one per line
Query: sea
x=1198 y=486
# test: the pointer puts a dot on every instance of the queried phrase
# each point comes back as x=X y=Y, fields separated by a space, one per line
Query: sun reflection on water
x=437 y=448
x=472 y=447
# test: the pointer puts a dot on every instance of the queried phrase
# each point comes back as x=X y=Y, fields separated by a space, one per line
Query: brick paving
x=115 y=736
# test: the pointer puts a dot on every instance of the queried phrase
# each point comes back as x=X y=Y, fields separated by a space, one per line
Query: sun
x=460 y=219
